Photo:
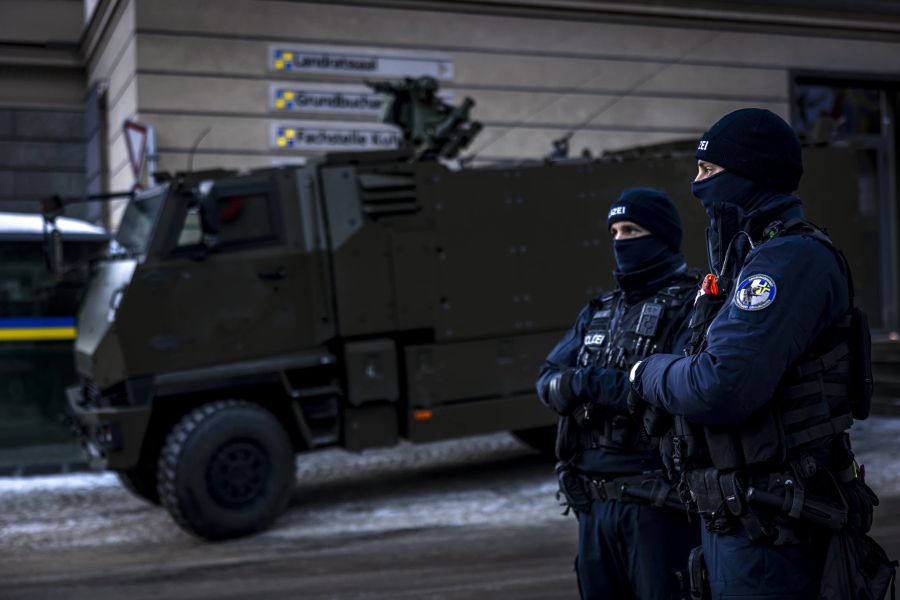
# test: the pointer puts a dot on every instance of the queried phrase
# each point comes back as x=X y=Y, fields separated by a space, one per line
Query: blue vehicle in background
x=37 y=329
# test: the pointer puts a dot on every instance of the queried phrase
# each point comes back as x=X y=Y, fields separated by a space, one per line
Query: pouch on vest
x=620 y=433
x=706 y=492
x=573 y=489
x=759 y=441
x=683 y=447
x=706 y=308
x=861 y=382
x=567 y=439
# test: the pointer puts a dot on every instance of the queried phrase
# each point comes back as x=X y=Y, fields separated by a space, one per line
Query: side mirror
x=200 y=229
x=56 y=254
x=53 y=250
x=209 y=215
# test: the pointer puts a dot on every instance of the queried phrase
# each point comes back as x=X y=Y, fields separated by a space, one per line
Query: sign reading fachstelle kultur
x=318 y=135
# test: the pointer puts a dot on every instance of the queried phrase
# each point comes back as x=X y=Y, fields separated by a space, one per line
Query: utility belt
x=782 y=507
x=579 y=491
x=779 y=505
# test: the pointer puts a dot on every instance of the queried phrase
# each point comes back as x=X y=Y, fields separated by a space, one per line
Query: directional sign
x=136 y=141
x=319 y=135
x=355 y=62
x=304 y=97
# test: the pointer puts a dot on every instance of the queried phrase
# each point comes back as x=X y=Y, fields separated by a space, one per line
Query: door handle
x=272 y=274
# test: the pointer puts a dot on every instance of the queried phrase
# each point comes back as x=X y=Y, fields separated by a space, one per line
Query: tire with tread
x=226 y=470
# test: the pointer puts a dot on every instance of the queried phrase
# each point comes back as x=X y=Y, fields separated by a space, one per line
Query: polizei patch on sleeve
x=755 y=293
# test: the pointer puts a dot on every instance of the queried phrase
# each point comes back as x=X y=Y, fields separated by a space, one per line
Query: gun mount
x=432 y=128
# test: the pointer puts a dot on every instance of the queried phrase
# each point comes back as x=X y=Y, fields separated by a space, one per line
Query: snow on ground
x=487 y=480
x=514 y=505
x=57 y=483
x=483 y=480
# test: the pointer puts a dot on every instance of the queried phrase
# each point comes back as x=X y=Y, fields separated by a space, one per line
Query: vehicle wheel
x=141 y=482
x=226 y=470
x=542 y=439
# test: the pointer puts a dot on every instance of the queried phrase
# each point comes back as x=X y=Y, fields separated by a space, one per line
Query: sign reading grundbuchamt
x=329 y=98
x=304 y=98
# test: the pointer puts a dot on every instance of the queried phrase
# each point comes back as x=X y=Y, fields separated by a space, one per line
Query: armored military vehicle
x=355 y=301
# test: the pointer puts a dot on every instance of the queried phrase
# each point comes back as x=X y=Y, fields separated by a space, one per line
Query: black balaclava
x=763 y=165
x=646 y=263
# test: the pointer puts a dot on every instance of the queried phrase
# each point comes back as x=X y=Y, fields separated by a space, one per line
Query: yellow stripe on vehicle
x=37 y=334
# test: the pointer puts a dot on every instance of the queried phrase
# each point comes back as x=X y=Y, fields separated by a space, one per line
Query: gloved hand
x=861 y=501
x=586 y=413
x=635 y=401
x=559 y=395
x=655 y=420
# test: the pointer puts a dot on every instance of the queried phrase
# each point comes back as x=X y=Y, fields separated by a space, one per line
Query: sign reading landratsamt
x=327 y=136
x=353 y=62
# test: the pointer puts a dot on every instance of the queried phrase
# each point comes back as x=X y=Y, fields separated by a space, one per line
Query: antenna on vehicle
x=602 y=109
x=190 y=164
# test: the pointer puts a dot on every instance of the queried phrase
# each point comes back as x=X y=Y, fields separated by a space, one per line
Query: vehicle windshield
x=138 y=222
x=29 y=289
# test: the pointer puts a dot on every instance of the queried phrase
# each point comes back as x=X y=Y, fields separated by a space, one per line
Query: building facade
x=248 y=83
x=251 y=83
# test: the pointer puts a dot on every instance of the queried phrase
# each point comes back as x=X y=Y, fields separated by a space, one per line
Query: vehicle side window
x=191 y=233
x=242 y=218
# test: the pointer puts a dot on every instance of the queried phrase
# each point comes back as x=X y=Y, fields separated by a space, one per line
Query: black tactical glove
x=635 y=401
x=586 y=414
x=559 y=393
x=861 y=501
x=656 y=421
x=636 y=406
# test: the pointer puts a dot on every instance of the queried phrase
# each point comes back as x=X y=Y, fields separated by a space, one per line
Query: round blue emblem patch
x=755 y=293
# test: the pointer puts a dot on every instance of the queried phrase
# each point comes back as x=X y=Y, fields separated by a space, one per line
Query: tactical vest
x=817 y=397
x=617 y=337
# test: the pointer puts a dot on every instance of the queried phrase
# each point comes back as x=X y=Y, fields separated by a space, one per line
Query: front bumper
x=110 y=436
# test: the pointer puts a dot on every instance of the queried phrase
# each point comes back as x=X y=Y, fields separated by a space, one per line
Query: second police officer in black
x=778 y=369
x=627 y=548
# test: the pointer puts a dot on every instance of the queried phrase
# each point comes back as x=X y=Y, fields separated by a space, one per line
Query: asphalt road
x=467 y=519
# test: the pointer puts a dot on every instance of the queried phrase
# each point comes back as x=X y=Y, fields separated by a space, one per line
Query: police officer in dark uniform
x=778 y=369
x=630 y=544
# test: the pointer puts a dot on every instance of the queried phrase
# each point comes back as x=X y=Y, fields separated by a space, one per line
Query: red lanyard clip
x=710 y=285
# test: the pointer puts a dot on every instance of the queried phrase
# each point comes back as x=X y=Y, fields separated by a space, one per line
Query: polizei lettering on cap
x=617 y=210
x=704 y=144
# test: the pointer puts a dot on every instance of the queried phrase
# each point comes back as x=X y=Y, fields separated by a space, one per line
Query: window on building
x=826 y=112
x=857 y=114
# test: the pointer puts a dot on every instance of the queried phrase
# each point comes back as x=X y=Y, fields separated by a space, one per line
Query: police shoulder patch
x=755 y=293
